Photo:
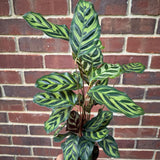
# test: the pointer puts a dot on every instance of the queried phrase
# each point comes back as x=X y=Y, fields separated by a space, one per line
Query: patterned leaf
x=37 y=21
x=57 y=99
x=70 y=148
x=85 y=148
x=85 y=28
x=57 y=117
x=59 y=82
x=100 y=121
x=95 y=136
x=133 y=67
x=60 y=137
x=109 y=146
x=115 y=100
x=106 y=71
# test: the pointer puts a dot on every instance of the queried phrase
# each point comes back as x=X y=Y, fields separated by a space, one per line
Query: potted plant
x=72 y=96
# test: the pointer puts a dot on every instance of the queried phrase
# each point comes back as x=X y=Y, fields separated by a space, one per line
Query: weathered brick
x=7 y=44
x=4 y=8
x=148 y=144
x=11 y=105
x=36 y=141
x=155 y=62
x=158 y=29
x=147 y=78
x=0 y=92
x=43 y=45
x=125 y=143
x=112 y=44
x=3 y=117
x=20 y=91
x=47 y=7
x=145 y=7
x=13 y=129
x=135 y=132
x=14 y=150
x=10 y=77
x=7 y=158
x=57 y=61
x=153 y=93
x=157 y=156
x=143 y=45
x=109 y=7
x=21 y=61
x=46 y=151
x=151 y=121
x=28 y=118
x=37 y=130
x=17 y=27
x=128 y=26
x=5 y=140
x=33 y=158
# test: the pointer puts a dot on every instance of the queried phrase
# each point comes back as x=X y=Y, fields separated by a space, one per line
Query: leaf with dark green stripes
x=109 y=146
x=100 y=121
x=59 y=82
x=95 y=136
x=85 y=28
x=106 y=71
x=85 y=149
x=70 y=148
x=57 y=117
x=133 y=67
x=115 y=100
x=60 y=137
x=37 y=21
x=56 y=99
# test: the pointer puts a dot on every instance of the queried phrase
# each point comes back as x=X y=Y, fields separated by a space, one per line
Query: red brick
x=6 y=158
x=112 y=44
x=157 y=156
x=3 y=117
x=47 y=7
x=5 y=140
x=125 y=143
x=145 y=7
x=21 y=61
x=0 y=92
x=129 y=154
x=57 y=62
x=20 y=91
x=158 y=29
x=4 y=8
x=153 y=93
x=33 y=141
x=11 y=77
x=17 y=27
x=148 y=144
x=14 y=150
x=33 y=158
x=135 y=132
x=37 y=130
x=30 y=106
x=124 y=59
x=13 y=129
x=147 y=78
x=11 y=105
x=109 y=7
x=150 y=107
x=122 y=120
x=155 y=62
x=47 y=151
x=28 y=118
x=7 y=44
x=151 y=121
x=43 y=45
x=143 y=45
x=127 y=26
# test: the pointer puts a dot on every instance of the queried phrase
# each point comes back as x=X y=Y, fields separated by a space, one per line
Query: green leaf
x=100 y=121
x=57 y=117
x=106 y=71
x=95 y=136
x=115 y=100
x=133 y=67
x=85 y=148
x=57 y=99
x=60 y=137
x=70 y=148
x=37 y=21
x=85 y=29
x=59 y=82
x=109 y=146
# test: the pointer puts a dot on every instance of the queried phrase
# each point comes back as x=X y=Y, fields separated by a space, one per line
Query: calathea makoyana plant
x=72 y=96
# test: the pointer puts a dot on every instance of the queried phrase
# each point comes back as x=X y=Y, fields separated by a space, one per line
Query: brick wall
x=130 y=33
